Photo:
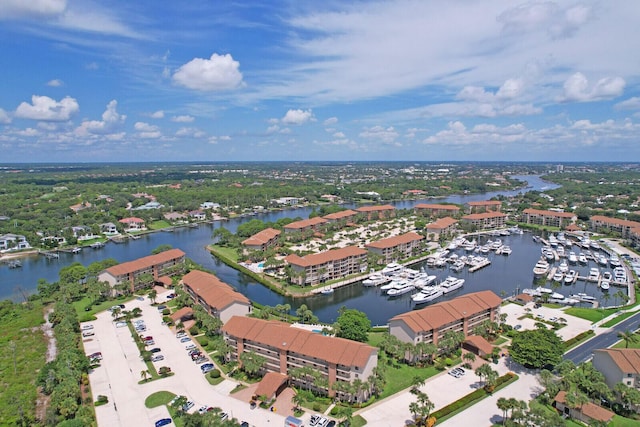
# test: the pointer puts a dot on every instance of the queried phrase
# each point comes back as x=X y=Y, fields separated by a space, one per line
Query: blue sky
x=204 y=80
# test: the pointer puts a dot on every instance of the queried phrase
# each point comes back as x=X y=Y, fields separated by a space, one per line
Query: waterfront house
x=175 y=217
x=288 y=348
x=209 y=205
x=397 y=247
x=486 y=220
x=108 y=228
x=437 y=210
x=263 y=240
x=548 y=218
x=442 y=226
x=483 y=206
x=216 y=297
x=197 y=215
x=133 y=224
x=167 y=263
x=460 y=314
x=604 y=224
x=618 y=365
x=13 y=242
x=332 y=264
x=305 y=225
x=287 y=201
x=588 y=412
x=342 y=217
x=377 y=212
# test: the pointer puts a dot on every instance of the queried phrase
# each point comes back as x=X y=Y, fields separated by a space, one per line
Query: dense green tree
x=252 y=362
x=537 y=348
x=352 y=324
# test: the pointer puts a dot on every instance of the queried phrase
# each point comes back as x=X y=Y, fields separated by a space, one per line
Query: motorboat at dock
x=451 y=283
x=427 y=294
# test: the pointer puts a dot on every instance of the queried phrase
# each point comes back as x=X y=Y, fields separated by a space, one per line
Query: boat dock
x=482 y=264
x=49 y=254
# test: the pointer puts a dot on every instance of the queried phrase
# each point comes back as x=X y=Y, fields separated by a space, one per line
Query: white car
x=87 y=327
x=157 y=358
x=190 y=346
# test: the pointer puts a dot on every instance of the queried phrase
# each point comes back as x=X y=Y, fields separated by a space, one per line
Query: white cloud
x=511 y=88
x=190 y=132
x=55 y=83
x=629 y=104
x=31 y=8
x=576 y=88
x=28 y=132
x=387 y=135
x=520 y=110
x=157 y=114
x=47 y=109
x=330 y=121
x=297 y=117
x=111 y=121
x=339 y=135
x=182 y=119
x=147 y=131
x=92 y=66
x=220 y=72
x=4 y=117
x=273 y=129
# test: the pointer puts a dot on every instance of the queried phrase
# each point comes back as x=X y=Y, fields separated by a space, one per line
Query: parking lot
x=121 y=368
x=574 y=325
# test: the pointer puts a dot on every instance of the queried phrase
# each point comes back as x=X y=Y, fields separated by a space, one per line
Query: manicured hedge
x=578 y=338
x=471 y=398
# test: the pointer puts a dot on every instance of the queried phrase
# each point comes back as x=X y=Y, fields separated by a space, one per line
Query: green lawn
x=157 y=225
x=375 y=338
x=618 y=319
x=401 y=377
x=632 y=344
x=229 y=253
x=590 y=314
x=619 y=421
x=158 y=398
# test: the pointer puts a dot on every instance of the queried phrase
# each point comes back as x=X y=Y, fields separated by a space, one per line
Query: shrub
x=334 y=411
x=194 y=330
x=317 y=407
x=448 y=361
x=102 y=399
x=215 y=373
x=166 y=312
x=204 y=342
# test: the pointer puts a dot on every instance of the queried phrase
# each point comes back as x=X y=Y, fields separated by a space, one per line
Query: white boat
x=541 y=268
x=570 y=277
x=327 y=291
x=470 y=246
x=552 y=240
x=451 y=283
x=398 y=282
x=375 y=279
x=392 y=268
x=582 y=258
x=594 y=275
x=573 y=258
x=605 y=284
x=563 y=267
x=558 y=276
x=505 y=250
x=406 y=287
x=595 y=245
x=457 y=266
x=425 y=280
x=547 y=252
x=495 y=245
x=602 y=260
x=427 y=295
x=560 y=251
x=540 y=290
x=606 y=275
x=620 y=275
x=614 y=261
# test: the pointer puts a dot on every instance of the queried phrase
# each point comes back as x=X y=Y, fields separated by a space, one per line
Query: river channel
x=505 y=276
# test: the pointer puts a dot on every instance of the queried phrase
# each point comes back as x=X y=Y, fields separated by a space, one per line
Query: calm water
x=505 y=274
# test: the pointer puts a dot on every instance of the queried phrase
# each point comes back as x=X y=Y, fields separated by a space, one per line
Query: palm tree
x=152 y=295
x=115 y=313
x=144 y=374
x=503 y=405
x=297 y=400
x=628 y=337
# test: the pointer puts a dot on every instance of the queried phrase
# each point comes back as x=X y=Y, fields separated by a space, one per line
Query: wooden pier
x=478 y=266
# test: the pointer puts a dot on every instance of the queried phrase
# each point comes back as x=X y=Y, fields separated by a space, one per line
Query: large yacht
x=541 y=268
x=428 y=294
x=573 y=258
x=570 y=277
x=451 y=283
x=401 y=289
x=375 y=279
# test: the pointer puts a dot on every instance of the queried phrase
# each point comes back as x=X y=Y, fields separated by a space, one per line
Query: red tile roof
x=212 y=290
x=480 y=343
x=144 y=263
x=437 y=207
x=589 y=409
x=442 y=223
x=485 y=203
x=616 y=221
x=282 y=336
x=270 y=384
x=183 y=312
x=262 y=237
x=131 y=220
x=305 y=223
x=324 y=257
x=340 y=215
x=442 y=313
x=376 y=208
x=390 y=242
x=627 y=359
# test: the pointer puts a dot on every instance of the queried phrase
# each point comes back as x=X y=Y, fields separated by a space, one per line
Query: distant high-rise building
x=559 y=168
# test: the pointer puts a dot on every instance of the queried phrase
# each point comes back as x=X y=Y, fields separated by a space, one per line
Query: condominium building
x=341 y=217
x=600 y=224
x=304 y=225
x=216 y=297
x=484 y=206
x=286 y=348
x=263 y=240
x=397 y=247
x=167 y=263
x=442 y=226
x=618 y=365
x=436 y=209
x=377 y=212
x=328 y=265
x=485 y=221
x=460 y=314
x=548 y=218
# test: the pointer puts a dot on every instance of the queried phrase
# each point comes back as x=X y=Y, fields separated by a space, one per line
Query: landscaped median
x=472 y=398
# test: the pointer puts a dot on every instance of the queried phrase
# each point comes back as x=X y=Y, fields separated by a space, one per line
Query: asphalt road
x=584 y=352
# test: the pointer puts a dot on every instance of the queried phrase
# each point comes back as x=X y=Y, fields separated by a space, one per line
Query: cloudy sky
x=201 y=80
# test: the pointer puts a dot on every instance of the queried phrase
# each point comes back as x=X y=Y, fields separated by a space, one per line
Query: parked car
x=200 y=360
x=163 y=422
x=121 y=324
x=188 y=406
x=157 y=358
x=96 y=355
x=207 y=367
x=190 y=346
x=155 y=350
x=87 y=327
x=171 y=296
x=204 y=409
x=88 y=333
x=161 y=307
x=185 y=339
x=180 y=335
x=150 y=342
